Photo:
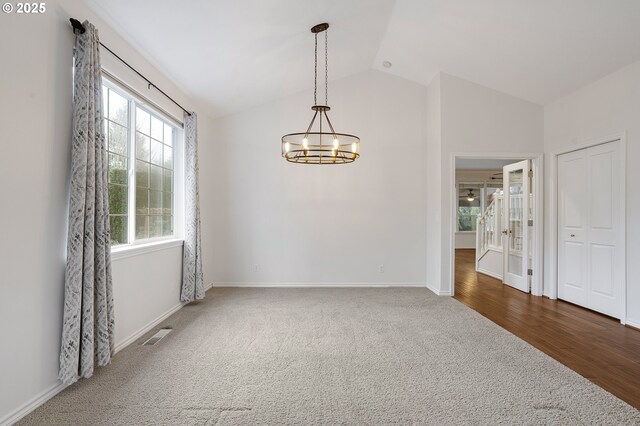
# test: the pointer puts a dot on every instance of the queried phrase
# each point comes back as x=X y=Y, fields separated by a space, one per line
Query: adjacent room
x=338 y=212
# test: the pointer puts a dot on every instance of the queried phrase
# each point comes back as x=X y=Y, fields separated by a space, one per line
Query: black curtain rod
x=77 y=26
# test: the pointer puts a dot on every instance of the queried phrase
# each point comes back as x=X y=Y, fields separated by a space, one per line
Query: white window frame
x=146 y=245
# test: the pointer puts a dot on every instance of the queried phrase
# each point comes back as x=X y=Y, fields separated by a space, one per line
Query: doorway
x=506 y=240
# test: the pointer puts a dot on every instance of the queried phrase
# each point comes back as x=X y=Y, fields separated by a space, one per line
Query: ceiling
x=232 y=55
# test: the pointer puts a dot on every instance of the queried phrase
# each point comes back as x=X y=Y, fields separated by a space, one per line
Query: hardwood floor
x=595 y=346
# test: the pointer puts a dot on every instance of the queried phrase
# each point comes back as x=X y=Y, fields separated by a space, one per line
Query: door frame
x=553 y=208
x=537 y=165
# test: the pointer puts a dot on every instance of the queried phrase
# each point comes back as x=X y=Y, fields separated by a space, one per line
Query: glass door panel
x=515 y=221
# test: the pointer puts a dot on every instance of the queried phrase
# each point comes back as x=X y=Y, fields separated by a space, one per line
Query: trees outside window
x=142 y=173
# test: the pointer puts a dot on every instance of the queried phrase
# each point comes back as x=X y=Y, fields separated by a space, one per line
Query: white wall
x=323 y=225
x=434 y=185
x=473 y=119
x=35 y=118
x=608 y=106
x=465 y=240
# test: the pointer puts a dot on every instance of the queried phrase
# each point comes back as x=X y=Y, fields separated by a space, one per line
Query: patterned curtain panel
x=192 y=281
x=88 y=326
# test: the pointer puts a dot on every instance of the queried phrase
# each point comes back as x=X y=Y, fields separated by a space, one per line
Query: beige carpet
x=333 y=356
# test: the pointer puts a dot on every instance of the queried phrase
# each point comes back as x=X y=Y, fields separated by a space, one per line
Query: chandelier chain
x=326 y=68
x=315 y=72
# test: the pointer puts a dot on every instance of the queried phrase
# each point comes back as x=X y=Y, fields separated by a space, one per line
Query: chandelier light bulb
x=287 y=147
x=354 y=148
x=336 y=143
x=305 y=143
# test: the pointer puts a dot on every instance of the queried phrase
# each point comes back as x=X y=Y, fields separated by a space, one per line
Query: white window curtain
x=192 y=280
x=88 y=325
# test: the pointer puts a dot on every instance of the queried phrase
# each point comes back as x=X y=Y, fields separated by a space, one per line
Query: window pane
x=118 y=108
x=156 y=152
x=156 y=177
x=142 y=147
x=142 y=201
x=167 y=205
x=167 y=183
x=142 y=227
x=142 y=174
x=118 y=199
x=117 y=169
x=155 y=226
x=105 y=101
x=156 y=128
x=467 y=218
x=118 y=138
x=118 y=230
x=142 y=121
x=168 y=157
x=167 y=225
x=155 y=202
x=168 y=135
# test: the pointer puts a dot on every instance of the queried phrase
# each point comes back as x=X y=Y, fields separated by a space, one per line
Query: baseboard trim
x=32 y=404
x=135 y=336
x=633 y=324
x=491 y=274
x=316 y=285
x=53 y=390
x=145 y=329
x=438 y=292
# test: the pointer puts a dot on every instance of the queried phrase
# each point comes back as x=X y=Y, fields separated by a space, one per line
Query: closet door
x=605 y=249
x=572 y=227
x=591 y=252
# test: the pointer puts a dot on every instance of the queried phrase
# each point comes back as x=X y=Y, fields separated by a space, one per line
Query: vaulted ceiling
x=232 y=55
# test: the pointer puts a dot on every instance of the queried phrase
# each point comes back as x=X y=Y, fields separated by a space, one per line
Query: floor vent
x=157 y=337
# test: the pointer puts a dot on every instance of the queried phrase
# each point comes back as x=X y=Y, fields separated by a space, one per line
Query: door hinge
x=530 y=272
x=530 y=173
x=530 y=222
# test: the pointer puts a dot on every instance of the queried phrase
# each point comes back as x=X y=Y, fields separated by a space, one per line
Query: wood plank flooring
x=593 y=345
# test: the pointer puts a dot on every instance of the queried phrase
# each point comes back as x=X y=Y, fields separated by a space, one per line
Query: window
x=142 y=147
x=469 y=207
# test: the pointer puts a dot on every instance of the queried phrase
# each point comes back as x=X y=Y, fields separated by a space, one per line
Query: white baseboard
x=439 y=292
x=632 y=323
x=135 y=336
x=491 y=274
x=52 y=391
x=315 y=285
x=32 y=404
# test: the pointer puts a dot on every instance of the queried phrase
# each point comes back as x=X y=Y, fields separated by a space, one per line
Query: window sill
x=131 y=250
x=465 y=232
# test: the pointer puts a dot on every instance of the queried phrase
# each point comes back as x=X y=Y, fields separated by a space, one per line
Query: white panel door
x=572 y=227
x=591 y=252
x=515 y=219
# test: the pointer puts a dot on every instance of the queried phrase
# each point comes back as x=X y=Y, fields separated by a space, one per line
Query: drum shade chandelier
x=325 y=146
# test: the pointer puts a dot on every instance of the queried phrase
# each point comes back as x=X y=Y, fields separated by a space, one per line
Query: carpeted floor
x=333 y=356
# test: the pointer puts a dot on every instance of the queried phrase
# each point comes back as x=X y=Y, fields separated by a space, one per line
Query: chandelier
x=324 y=146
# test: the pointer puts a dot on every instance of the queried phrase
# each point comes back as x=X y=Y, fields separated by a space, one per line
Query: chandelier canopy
x=324 y=146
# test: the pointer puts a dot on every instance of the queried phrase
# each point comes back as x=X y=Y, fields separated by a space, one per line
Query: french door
x=516 y=218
